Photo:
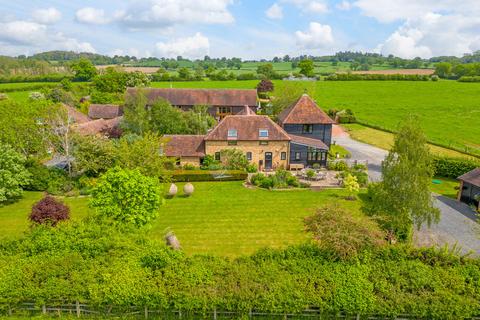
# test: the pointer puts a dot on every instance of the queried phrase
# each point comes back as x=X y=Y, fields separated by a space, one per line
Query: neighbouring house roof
x=247 y=127
x=191 y=97
x=472 y=177
x=97 y=126
x=309 y=142
x=185 y=146
x=104 y=111
x=246 y=111
x=304 y=111
x=77 y=116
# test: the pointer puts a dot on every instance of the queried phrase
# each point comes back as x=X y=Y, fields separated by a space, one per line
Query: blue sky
x=242 y=28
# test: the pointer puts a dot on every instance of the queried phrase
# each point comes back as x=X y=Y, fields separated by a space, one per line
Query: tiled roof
x=210 y=97
x=247 y=127
x=304 y=111
x=104 y=111
x=77 y=116
x=309 y=142
x=185 y=146
x=97 y=126
x=472 y=177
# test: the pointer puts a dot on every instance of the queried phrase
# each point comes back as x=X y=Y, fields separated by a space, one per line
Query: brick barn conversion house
x=469 y=192
x=301 y=138
x=221 y=102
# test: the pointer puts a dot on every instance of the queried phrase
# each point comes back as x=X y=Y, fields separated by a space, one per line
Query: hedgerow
x=376 y=77
x=207 y=175
x=453 y=167
x=102 y=266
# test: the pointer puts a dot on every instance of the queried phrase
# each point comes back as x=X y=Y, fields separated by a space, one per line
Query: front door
x=268 y=160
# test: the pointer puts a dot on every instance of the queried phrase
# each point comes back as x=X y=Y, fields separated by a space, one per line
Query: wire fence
x=79 y=310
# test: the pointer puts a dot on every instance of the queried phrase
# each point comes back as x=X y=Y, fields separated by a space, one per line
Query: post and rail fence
x=77 y=309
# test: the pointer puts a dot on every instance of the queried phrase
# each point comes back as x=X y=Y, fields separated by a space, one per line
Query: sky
x=249 y=29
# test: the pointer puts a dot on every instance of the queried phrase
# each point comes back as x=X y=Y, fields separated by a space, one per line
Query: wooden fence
x=78 y=309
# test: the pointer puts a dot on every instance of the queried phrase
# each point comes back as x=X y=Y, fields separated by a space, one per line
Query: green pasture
x=447 y=110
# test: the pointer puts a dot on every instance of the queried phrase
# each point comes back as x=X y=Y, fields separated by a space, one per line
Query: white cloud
x=165 y=13
x=434 y=34
x=91 y=15
x=310 y=6
x=274 y=12
x=344 y=5
x=394 y=10
x=19 y=36
x=193 y=47
x=46 y=16
x=318 y=36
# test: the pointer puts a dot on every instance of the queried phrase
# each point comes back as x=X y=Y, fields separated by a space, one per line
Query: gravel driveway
x=458 y=224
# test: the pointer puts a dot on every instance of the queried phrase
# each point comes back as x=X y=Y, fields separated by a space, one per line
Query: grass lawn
x=14 y=217
x=448 y=110
x=222 y=218
x=384 y=140
x=445 y=187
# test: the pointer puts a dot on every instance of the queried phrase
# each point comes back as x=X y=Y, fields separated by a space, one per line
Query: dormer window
x=263 y=133
x=232 y=133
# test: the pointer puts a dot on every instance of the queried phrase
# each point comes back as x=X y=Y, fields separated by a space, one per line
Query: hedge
x=453 y=167
x=31 y=87
x=55 y=77
x=360 y=77
x=95 y=264
x=469 y=79
x=207 y=175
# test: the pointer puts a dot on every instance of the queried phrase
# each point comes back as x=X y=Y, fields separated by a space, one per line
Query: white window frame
x=230 y=133
x=260 y=131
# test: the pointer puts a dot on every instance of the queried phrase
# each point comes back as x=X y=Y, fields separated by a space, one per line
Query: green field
x=222 y=218
x=448 y=110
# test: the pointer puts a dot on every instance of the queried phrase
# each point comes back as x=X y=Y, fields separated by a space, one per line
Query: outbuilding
x=470 y=188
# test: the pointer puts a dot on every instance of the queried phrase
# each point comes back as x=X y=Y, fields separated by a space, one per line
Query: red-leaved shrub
x=49 y=211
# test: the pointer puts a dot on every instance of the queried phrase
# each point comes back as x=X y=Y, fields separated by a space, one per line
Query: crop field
x=222 y=218
x=447 y=110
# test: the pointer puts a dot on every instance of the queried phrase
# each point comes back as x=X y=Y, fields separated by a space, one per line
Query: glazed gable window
x=263 y=133
x=232 y=133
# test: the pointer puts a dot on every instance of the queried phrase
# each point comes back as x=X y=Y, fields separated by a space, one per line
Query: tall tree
x=135 y=114
x=84 y=70
x=403 y=198
x=13 y=175
x=306 y=67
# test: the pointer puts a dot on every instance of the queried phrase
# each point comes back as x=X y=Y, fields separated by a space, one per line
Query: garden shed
x=470 y=188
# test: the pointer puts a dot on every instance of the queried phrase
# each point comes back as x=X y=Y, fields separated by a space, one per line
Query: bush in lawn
x=280 y=180
x=310 y=173
x=13 y=175
x=336 y=230
x=453 y=167
x=49 y=211
x=36 y=96
x=352 y=186
x=127 y=196
x=345 y=116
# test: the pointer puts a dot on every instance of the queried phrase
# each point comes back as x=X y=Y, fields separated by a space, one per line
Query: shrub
x=13 y=175
x=251 y=168
x=453 y=167
x=208 y=175
x=209 y=163
x=36 y=96
x=51 y=180
x=337 y=166
x=233 y=159
x=280 y=180
x=49 y=211
x=336 y=230
x=351 y=185
x=345 y=116
x=127 y=197
x=310 y=173
x=247 y=76
x=189 y=166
